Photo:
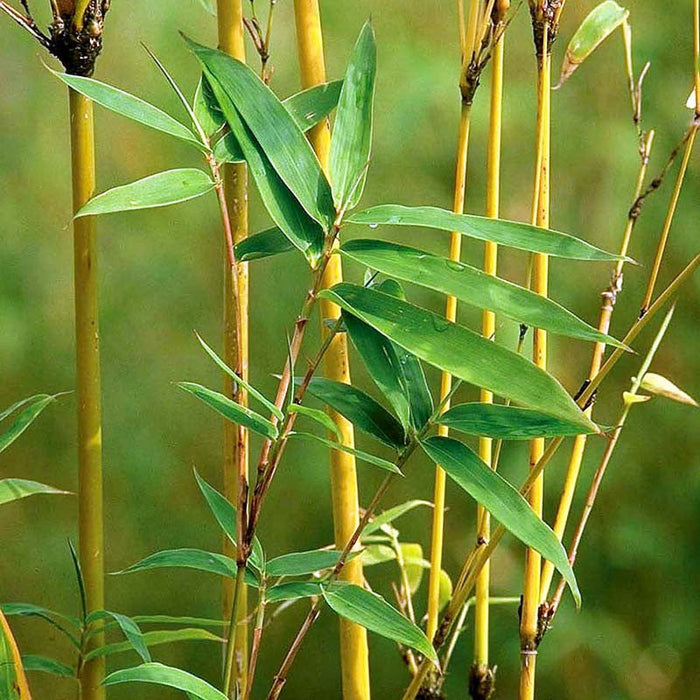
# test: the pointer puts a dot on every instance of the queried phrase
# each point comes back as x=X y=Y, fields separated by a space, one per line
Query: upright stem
x=481 y=680
x=609 y=298
x=353 y=638
x=234 y=198
x=88 y=381
x=468 y=40
x=540 y=216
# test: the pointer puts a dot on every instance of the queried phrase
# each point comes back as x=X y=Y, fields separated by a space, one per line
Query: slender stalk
x=609 y=297
x=476 y=559
x=21 y=686
x=345 y=498
x=233 y=198
x=605 y=460
x=540 y=271
x=232 y=675
x=88 y=380
x=257 y=638
x=481 y=677
x=468 y=37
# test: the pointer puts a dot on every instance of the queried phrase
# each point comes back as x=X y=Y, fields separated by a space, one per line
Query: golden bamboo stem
x=345 y=498
x=235 y=439
x=88 y=381
x=22 y=686
x=467 y=35
x=540 y=217
x=493 y=177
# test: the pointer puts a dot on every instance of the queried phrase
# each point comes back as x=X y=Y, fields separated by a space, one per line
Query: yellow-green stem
x=235 y=439
x=88 y=381
x=345 y=498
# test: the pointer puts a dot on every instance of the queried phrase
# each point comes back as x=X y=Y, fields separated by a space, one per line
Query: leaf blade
x=15 y=489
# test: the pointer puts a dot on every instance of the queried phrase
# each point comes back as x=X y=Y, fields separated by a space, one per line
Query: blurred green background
x=637 y=635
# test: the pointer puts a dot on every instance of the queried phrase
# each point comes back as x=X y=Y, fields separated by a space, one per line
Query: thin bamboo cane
x=482 y=677
x=235 y=439
x=529 y=617
x=21 y=684
x=88 y=382
x=345 y=498
x=460 y=189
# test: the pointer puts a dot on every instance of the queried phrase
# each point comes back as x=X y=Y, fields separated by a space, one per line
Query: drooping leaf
x=459 y=351
x=272 y=126
x=232 y=411
x=14 y=489
x=30 y=409
x=240 y=381
x=159 y=190
x=360 y=409
x=471 y=286
x=156 y=638
x=292 y=590
x=508 y=233
x=160 y=674
x=359 y=454
x=301 y=563
x=372 y=612
x=506 y=422
x=391 y=514
x=352 y=133
x=44 y=664
x=197 y=559
x=263 y=244
x=505 y=503
x=319 y=417
x=225 y=514
x=64 y=623
x=128 y=106
x=598 y=25
x=131 y=630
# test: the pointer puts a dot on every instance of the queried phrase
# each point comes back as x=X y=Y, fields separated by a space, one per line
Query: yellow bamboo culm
x=7 y=639
x=235 y=442
x=482 y=675
x=540 y=217
x=88 y=382
x=345 y=497
x=467 y=35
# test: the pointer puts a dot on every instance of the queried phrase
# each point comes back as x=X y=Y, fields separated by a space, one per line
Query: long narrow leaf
x=14 y=489
x=505 y=503
x=391 y=514
x=131 y=630
x=264 y=244
x=44 y=664
x=508 y=233
x=301 y=563
x=459 y=351
x=31 y=408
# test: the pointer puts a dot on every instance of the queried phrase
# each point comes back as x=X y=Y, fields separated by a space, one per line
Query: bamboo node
x=482 y=681
x=77 y=48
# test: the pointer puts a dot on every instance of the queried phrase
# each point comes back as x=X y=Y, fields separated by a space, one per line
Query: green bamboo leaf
x=351 y=141
x=206 y=108
x=264 y=244
x=412 y=554
x=131 y=630
x=231 y=410
x=505 y=503
x=197 y=559
x=360 y=409
x=159 y=674
x=31 y=408
x=225 y=514
x=377 y=554
x=598 y=25
x=236 y=85
x=159 y=190
x=506 y=422
x=69 y=626
x=156 y=638
x=391 y=514
x=472 y=286
x=302 y=563
x=128 y=106
x=240 y=381
x=359 y=454
x=44 y=664
x=292 y=590
x=508 y=233
x=14 y=489
x=319 y=417
x=459 y=351
x=372 y=612
x=179 y=620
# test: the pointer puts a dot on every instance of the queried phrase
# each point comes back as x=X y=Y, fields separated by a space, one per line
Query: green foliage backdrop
x=160 y=280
